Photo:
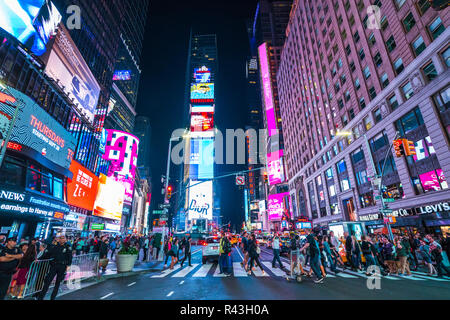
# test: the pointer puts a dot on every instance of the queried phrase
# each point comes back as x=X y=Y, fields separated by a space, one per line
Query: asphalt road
x=203 y=283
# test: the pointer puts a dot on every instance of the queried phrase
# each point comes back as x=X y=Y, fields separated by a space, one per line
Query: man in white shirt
x=334 y=240
x=276 y=251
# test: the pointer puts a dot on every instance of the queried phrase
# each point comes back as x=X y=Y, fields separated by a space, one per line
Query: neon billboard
x=202 y=121
x=122 y=150
x=268 y=93
x=275 y=205
x=201 y=164
x=107 y=206
x=275 y=167
x=202 y=75
x=200 y=200
x=202 y=92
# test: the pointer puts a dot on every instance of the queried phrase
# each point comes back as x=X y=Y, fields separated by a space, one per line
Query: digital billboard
x=202 y=92
x=202 y=108
x=275 y=167
x=36 y=131
x=202 y=75
x=267 y=86
x=200 y=200
x=202 y=121
x=201 y=164
x=65 y=64
x=82 y=188
x=275 y=205
x=122 y=150
x=32 y=22
x=122 y=75
x=110 y=197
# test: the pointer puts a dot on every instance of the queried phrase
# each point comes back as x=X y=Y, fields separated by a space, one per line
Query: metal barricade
x=83 y=267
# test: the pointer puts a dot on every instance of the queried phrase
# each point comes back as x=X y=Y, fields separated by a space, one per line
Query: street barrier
x=83 y=267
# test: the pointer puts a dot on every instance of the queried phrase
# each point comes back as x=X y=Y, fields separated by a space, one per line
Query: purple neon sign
x=275 y=206
x=267 y=84
x=275 y=167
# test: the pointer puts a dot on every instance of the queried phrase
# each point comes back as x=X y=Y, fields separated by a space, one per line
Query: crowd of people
x=396 y=257
x=16 y=257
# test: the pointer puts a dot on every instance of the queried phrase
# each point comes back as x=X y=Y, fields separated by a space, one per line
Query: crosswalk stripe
x=415 y=278
x=185 y=271
x=203 y=271
x=259 y=273
x=217 y=274
x=346 y=275
x=432 y=278
x=239 y=270
x=389 y=277
x=277 y=272
x=164 y=273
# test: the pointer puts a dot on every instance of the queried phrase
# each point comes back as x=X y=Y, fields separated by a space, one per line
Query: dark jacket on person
x=187 y=247
x=103 y=249
x=252 y=249
x=60 y=254
x=348 y=244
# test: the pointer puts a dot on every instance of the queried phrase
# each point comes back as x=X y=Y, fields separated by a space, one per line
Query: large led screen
x=202 y=108
x=32 y=22
x=200 y=200
x=82 y=188
x=202 y=121
x=109 y=201
x=65 y=64
x=201 y=165
x=202 y=92
x=122 y=150
x=202 y=75
x=36 y=131
x=275 y=205
x=275 y=167
x=267 y=86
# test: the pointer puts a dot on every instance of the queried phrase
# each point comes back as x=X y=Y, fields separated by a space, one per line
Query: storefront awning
x=437 y=223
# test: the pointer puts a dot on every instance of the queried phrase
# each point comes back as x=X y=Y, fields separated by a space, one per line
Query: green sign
x=158 y=211
x=389 y=200
x=97 y=226
x=386 y=211
x=377 y=197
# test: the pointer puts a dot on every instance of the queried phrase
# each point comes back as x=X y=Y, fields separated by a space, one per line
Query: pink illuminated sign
x=275 y=206
x=275 y=167
x=122 y=150
x=267 y=84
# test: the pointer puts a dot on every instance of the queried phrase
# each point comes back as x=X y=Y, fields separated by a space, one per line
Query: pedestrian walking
x=348 y=250
x=314 y=252
x=61 y=255
x=10 y=257
x=254 y=251
x=187 y=252
x=103 y=252
x=356 y=254
x=29 y=256
x=388 y=253
x=367 y=250
x=276 y=251
x=327 y=250
x=173 y=252
x=224 y=251
x=146 y=247
x=436 y=253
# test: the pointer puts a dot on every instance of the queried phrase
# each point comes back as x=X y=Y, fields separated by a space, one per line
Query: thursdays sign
x=36 y=132
x=27 y=203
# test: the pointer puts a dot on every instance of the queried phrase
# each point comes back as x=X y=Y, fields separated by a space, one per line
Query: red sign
x=202 y=100
x=82 y=189
x=6 y=98
x=202 y=122
x=240 y=180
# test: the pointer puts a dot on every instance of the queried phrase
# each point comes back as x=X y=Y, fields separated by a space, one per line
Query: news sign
x=275 y=205
x=82 y=188
x=109 y=201
x=36 y=129
x=32 y=22
x=200 y=200
x=66 y=65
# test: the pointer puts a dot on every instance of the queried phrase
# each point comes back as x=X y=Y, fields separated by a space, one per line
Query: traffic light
x=408 y=145
x=398 y=147
x=266 y=177
x=169 y=192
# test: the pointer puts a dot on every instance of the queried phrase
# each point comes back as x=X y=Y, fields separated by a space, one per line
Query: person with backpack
x=388 y=253
x=224 y=251
x=187 y=252
x=436 y=253
x=314 y=252
x=254 y=251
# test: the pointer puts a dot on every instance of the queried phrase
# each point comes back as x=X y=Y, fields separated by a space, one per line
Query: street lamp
x=378 y=180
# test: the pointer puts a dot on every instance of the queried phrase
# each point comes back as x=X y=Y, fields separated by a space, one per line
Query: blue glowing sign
x=122 y=75
x=202 y=75
x=202 y=91
x=202 y=159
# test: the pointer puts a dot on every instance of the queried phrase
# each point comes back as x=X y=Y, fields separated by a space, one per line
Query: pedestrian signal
x=398 y=147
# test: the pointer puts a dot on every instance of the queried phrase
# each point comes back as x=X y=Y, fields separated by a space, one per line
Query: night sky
x=161 y=92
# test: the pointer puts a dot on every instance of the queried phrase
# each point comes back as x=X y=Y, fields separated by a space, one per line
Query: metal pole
x=387 y=224
x=8 y=136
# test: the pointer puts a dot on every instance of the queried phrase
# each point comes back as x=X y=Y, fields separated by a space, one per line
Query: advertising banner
x=32 y=22
x=27 y=204
x=275 y=167
x=82 y=188
x=122 y=75
x=65 y=64
x=202 y=121
x=109 y=201
x=200 y=200
x=202 y=108
x=267 y=85
x=202 y=75
x=36 y=129
x=201 y=165
x=275 y=205
x=202 y=92
x=122 y=150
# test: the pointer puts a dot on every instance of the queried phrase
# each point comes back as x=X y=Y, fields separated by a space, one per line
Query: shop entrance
x=349 y=209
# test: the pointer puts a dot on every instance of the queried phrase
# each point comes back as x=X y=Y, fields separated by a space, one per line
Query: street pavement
x=203 y=282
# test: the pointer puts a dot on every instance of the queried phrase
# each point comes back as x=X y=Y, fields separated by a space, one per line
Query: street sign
x=240 y=180
x=157 y=212
x=386 y=211
x=163 y=206
x=389 y=200
x=377 y=197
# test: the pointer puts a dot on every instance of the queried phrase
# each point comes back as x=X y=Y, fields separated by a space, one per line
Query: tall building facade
x=196 y=208
x=270 y=22
x=143 y=131
x=59 y=81
x=349 y=86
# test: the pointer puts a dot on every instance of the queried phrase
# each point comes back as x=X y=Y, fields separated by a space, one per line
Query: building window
x=407 y=90
x=330 y=182
x=356 y=37
x=409 y=22
x=366 y=72
x=377 y=59
x=362 y=103
x=418 y=46
x=377 y=115
x=409 y=121
x=399 y=3
x=384 y=23
x=430 y=72
x=423 y=6
x=352 y=66
x=367 y=200
x=344 y=120
x=351 y=113
x=446 y=56
x=347 y=96
x=12 y=172
x=362 y=55
x=367 y=123
x=442 y=102
x=384 y=80
x=357 y=84
x=372 y=39
x=390 y=44
x=343 y=79
x=343 y=175
x=340 y=104
x=337 y=87
x=398 y=65
x=372 y=93
x=348 y=51
x=393 y=103
x=436 y=28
